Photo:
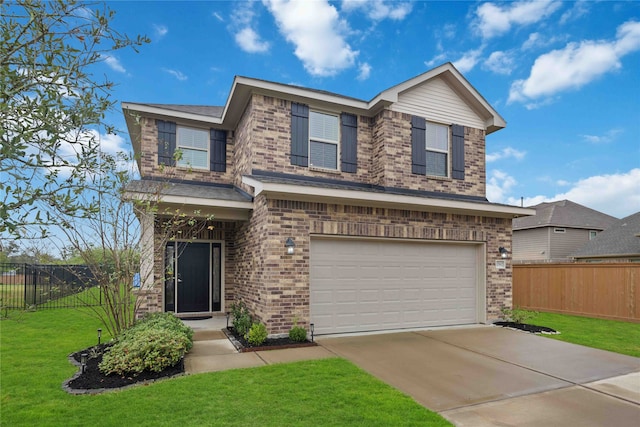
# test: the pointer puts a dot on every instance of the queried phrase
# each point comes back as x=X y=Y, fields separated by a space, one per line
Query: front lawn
x=611 y=335
x=34 y=348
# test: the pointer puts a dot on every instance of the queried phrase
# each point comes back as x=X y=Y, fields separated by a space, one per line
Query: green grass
x=611 y=335
x=33 y=365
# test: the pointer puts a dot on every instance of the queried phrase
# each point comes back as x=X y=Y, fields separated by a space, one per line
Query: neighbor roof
x=621 y=239
x=564 y=213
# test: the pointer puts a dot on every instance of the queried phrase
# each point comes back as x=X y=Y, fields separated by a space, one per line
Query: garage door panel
x=361 y=285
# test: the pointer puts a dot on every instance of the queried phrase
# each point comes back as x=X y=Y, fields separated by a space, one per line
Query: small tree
x=51 y=106
x=108 y=240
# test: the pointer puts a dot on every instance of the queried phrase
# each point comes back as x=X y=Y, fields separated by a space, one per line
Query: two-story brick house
x=352 y=215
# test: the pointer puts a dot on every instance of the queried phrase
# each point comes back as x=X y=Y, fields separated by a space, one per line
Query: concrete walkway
x=213 y=352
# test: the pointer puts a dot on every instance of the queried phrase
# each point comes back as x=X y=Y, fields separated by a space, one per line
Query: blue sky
x=564 y=75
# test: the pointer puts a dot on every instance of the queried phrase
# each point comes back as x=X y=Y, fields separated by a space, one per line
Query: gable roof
x=227 y=116
x=564 y=213
x=621 y=239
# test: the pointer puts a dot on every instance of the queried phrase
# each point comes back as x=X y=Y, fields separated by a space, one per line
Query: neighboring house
x=556 y=231
x=383 y=200
x=618 y=243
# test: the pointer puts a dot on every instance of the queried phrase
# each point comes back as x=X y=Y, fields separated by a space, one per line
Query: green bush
x=152 y=344
x=241 y=318
x=257 y=334
x=518 y=315
x=298 y=334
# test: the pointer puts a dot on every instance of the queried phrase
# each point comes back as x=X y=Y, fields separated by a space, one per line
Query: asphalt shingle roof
x=564 y=213
x=622 y=238
x=203 y=110
x=200 y=191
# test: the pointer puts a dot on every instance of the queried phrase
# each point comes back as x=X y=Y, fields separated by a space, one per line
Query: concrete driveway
x=489 y=376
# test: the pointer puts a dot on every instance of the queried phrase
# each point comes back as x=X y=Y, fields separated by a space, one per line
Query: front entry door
x=196 y=284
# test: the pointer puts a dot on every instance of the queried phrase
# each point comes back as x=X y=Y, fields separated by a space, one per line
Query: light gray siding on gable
x=530 y=245
x=564 y=244
x=436 y=101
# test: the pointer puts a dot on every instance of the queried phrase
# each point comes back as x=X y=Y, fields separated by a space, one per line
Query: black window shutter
x=299 y=134
x=457 y=152
x=218 y=150
x=166 y=142
x=418 y=145
x=349 y=143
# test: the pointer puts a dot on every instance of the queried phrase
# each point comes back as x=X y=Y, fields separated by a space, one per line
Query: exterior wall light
x=290 y=246
x=311 y=327
x=503 y=252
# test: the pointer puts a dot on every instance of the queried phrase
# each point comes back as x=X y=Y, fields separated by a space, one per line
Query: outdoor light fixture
x=228 y=314
x=311 y=327
x=503 y=252
x=83 y=361
x=99 y=335
x=290 y=246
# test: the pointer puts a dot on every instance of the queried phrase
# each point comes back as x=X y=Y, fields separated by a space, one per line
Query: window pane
x=193 y=138
x=194 y=158
x=437 y=137
x=324 y=155
x=436 y=163
x=323 y=126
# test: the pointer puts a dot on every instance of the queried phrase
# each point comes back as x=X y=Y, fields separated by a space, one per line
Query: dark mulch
x=93 y=379
x=243 y=345
x=527 y=328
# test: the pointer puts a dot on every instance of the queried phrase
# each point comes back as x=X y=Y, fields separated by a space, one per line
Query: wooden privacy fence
x=608 y=291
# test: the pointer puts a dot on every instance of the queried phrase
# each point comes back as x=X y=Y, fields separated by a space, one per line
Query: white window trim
x=182 y=148
x=326 y=141
x=592 y=234
x=435 y=150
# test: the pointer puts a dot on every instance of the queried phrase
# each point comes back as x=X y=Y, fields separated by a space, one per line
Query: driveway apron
x=493 y=376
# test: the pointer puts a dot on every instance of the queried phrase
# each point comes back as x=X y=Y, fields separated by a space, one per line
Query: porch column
x=147 y=251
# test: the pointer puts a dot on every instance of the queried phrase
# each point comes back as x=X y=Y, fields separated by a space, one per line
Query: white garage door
x=370 y=285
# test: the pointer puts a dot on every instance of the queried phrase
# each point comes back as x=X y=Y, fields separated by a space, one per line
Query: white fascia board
x=398 y=201
x=192 y=201
x=143 y=108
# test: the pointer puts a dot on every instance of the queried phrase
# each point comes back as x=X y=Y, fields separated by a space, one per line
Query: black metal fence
x=47 y=286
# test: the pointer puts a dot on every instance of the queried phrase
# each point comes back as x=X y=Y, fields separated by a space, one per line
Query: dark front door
x=194 y=277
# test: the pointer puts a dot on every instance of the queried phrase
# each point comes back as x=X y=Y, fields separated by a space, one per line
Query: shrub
x=152 y=344
x=241 y=318
x=257 y=334
x=518 y=315
x=298 y=334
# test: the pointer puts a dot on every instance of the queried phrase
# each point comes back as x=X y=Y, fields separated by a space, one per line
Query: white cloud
x=576 y=65
x=579 y=9
x=493 y=20
x=177 y=74
x=499 y=185
x=562 y=183
x=500 y=62
x=468 y=60
x=317 y=32
x=615 y=194
x=378 y=10
x=217 y=16
x=114 y=63
x=364 y=71
x=506 y=153
x=249 y=41
x=438 y=59
x=537 y=40
x=160 y=30
x=608 y=136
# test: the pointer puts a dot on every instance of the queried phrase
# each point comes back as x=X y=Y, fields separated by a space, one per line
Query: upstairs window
x=592 y=234
x=324 y=137
x=437 y=146
x=194 y=146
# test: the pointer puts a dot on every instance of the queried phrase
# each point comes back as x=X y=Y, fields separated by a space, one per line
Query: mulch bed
x=243 y=345
x=527 y=328
x=93 y=381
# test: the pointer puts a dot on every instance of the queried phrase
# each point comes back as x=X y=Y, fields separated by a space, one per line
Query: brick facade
x=257 y=270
